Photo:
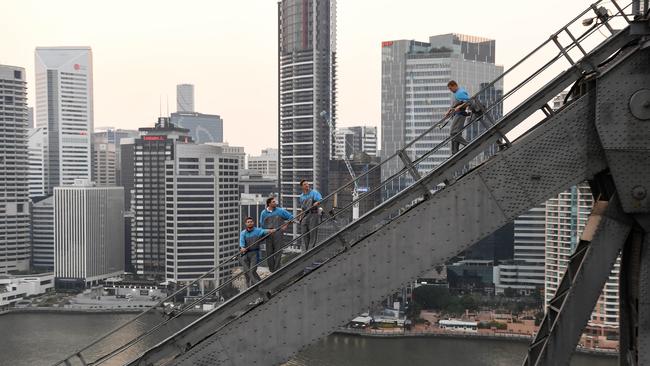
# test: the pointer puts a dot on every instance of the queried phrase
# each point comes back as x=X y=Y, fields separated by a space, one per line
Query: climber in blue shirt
x=274 y=217
x=249 y=252
x=309 y=201
x=461 y=102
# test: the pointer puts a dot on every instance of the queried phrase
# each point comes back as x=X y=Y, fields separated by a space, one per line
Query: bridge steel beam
x=561 y=152
x=386 y=252
x=589 y=267
x=623 y=125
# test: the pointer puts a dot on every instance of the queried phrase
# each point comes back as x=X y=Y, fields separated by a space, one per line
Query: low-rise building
x=16 y=288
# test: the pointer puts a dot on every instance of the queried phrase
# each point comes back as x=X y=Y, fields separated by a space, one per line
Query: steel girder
x=557 y=154
x=589 y=267
x=547 y=169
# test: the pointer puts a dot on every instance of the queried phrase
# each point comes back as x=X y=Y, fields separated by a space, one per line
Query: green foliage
x=439 y=298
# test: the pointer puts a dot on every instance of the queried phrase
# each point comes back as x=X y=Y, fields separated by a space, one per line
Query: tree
x=431 y=297
x=509 y=292
x=469 y=302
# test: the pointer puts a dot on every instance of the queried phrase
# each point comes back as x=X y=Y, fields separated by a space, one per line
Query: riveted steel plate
x=640 y=104
x=617 y=126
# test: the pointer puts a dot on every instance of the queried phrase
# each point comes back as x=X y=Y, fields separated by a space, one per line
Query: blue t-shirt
x=309 y=198
x=461 y=96
x=278 y=211
x=252 y=236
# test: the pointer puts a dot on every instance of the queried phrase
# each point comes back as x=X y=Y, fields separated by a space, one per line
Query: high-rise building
x=525 y=274
x=566 y=217
x=351 y=140
x=43 y=233
x=203 y=127
x=266 y=163
x=414 y=92
x=104 y=170
x=185 y=98
x=14 y=200
x=37 y=143
x=106 y=140
x=202 y=213
x=64 y=108
x=88 y=237
x=151 y=151
x=307 y=94
x=252 y=182
x=236 y=151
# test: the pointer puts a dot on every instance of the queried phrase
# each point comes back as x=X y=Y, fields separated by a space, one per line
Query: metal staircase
x=451 y=207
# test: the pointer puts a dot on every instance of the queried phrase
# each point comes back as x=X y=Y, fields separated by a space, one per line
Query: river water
x=42 y=339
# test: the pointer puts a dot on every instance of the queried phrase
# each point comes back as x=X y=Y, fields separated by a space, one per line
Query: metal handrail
x=399 y=173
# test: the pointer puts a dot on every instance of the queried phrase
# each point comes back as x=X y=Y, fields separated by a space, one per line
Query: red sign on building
x=154 y=138
x=386 y=43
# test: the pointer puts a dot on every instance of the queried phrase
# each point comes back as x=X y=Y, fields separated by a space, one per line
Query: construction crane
x=348 y=165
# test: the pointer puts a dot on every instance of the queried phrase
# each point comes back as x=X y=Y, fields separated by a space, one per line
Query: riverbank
x=521 y=338
x=53 y=310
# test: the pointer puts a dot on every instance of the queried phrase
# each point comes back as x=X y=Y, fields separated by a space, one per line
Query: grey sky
x=228 y=49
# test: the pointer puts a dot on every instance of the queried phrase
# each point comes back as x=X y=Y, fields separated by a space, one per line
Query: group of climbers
x=274 y=220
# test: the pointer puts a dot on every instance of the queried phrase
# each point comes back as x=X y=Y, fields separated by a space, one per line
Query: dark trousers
x=309 y=222
x=457 y=125
x=248 y=261
x=273 y=244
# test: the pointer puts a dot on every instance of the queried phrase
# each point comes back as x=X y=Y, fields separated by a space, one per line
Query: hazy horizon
x=141 y=50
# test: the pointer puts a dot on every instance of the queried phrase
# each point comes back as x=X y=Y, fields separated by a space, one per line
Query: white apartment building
x=64 y=109
x=88 y=233
x=351 y=140
x=266 y=163
x=237 y=151
x=202 y=213
x=525 y=273
x=566 y=217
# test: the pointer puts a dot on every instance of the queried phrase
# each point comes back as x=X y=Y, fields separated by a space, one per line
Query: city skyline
x=209 y=44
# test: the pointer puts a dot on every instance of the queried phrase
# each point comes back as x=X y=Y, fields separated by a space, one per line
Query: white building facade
x=525 y=274
x=88 y=233
x=64 y=108
x=566 y=217
x=236 y=151
x=202 y=213
x=351 y=140
x=266 y=163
